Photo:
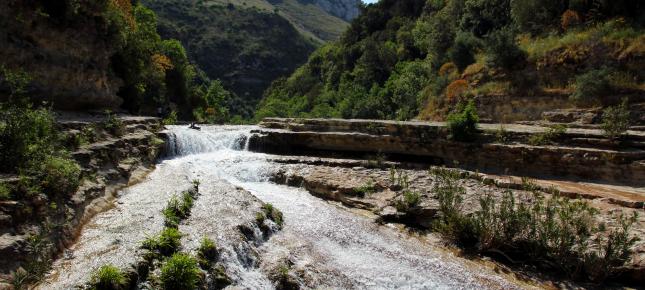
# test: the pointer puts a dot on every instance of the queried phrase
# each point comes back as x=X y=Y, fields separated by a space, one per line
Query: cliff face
x=345 y=9
x=68 y=61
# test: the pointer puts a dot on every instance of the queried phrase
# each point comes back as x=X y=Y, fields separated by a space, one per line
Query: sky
x=370 y=1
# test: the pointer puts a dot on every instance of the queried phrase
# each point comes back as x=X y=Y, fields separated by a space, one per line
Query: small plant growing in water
x=165 y=243
x=207 y=252
x=180 y=272
x=108 y=277
x=273 y=214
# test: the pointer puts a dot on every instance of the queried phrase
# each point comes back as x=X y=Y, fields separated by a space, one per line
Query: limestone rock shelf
x=578 y=154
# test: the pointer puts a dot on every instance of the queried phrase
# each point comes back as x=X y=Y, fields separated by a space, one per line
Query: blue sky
x=370 y=1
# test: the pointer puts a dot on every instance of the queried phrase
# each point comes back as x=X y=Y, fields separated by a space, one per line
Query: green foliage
x=177 y=209
x=502 y=50
x=60 y=176
x=409 y=199
x=273 y=214
x=462 y=124
x=536 y=16
x=463 y=51
x=108 y=277
x=207 y=252
x=27 y=137
x=547 y=137
x=171 y=119
x=113 y=124
x=481 y=17
x=165 y=243
x=5 y=192
x=615 y=120
x=553 y=232
x=590 y=87
x=244 y=47
x=365 y=189
x=180 y=272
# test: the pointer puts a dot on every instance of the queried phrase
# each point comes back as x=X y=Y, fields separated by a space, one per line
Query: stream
x=328 y=245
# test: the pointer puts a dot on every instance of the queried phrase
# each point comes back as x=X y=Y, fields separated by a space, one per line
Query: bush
x=462 y=53
x=570 y=19
x=108 y=277
x=547 y=137
x=502 y=50
x=166 y=243
x=113 y=124
x=409 y=200
x=462 y=124
x=456 y=90
x=171 y=119
x=177 y=210
x=615 y=120
x=5 y=192
x=60 y=176
x=554 y=233
x=207 y=252
x=590 y=87
x=273 y=214
x=27 y=137
x=180 y=272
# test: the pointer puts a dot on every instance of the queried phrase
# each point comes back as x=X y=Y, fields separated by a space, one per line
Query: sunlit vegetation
x=414 y=58
x=108 y=277
x=550 y=232
x=180 y=271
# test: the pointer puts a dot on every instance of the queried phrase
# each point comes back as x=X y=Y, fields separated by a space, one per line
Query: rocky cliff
x=67 y=58
x=345 y=9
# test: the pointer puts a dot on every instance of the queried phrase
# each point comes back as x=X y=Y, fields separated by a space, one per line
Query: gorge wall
x=68 y=59
x=577 y=153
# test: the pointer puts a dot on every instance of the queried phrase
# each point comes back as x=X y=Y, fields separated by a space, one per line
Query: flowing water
x=329 y=245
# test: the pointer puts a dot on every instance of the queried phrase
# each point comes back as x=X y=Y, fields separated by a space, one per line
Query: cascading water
x=332 y=246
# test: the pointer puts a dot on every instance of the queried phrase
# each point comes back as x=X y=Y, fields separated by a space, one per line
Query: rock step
x=429 y=142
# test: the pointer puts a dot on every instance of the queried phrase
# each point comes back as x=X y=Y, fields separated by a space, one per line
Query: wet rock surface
x=108 y=163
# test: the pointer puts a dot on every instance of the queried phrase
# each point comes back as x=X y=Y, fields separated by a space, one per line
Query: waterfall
x=183 y=141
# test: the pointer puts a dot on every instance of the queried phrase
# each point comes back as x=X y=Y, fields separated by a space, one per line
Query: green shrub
x=27 y=137
x=207 y=252
x=180 y=272
x=60 y=176
x=502 y=50
x=615 y=120
x=178 y=209
x=462 y=53
x=108 y=277
x=365 y=189
x=554 y=233
x=590 y=87
x=409 y=200
x=166 y=243
x=171 y=119
x=273 y=214
x=547 y=137
x=5 y=192
x=462 y=123
x=502 y=136
x=113 y=124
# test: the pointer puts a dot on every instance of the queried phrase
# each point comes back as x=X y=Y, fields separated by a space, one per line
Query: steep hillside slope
x=248 y=44
x=518 y=60
x=79 y=55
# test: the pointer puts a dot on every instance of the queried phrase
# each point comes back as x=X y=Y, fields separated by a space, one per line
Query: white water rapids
x=330 y=245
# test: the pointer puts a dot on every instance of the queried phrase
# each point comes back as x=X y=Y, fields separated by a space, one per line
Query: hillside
x=412 y=59
x=97 y=56
x=248 y=44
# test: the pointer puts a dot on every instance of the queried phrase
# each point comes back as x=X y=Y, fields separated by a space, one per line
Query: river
x=329 y=245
